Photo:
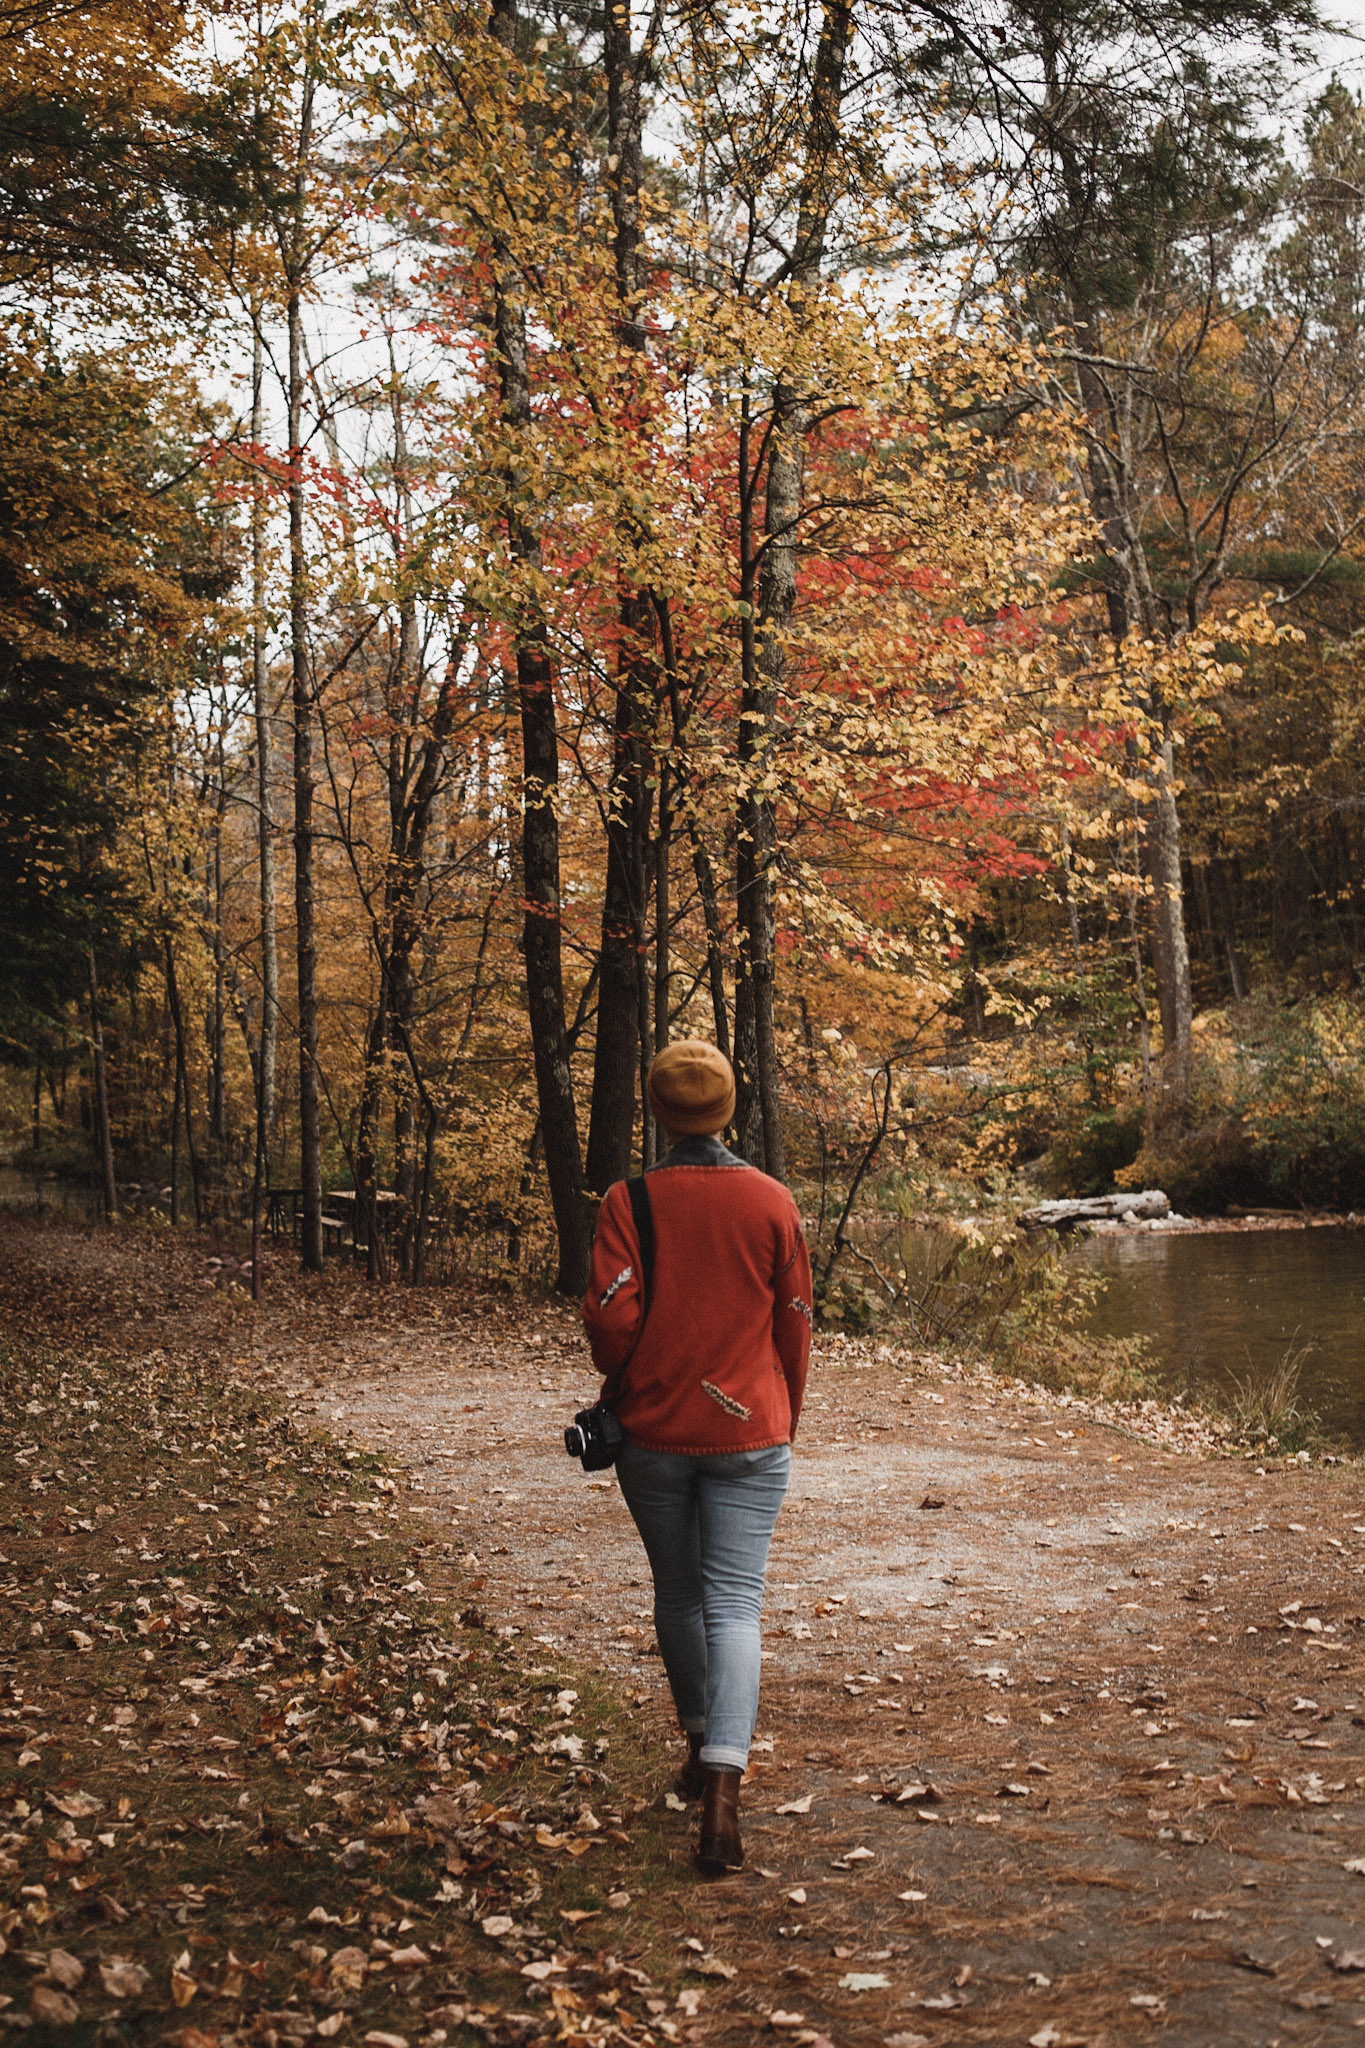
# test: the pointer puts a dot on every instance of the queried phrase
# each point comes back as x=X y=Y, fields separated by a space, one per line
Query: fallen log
x=1067 y=1212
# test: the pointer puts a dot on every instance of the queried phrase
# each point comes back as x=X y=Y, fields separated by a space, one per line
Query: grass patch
x=266 y=1772
x=1267 y=1408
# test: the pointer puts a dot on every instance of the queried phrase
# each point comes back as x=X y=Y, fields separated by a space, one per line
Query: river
x=1220 y=1304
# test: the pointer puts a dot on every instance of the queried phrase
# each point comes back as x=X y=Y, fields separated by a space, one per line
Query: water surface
x=1221 y=1304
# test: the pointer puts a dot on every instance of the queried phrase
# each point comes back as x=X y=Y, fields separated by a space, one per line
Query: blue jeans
x=706 y=1523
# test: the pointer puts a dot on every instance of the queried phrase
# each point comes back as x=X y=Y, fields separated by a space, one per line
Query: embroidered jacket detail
x=727 y=1402
x=626 y=1273
x=803 y=1308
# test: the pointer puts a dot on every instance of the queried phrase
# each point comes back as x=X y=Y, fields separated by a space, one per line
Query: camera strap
x=642 y=1211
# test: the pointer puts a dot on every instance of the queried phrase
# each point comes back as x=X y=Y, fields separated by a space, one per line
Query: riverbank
x=1063 y=1740
x=1211 y=1226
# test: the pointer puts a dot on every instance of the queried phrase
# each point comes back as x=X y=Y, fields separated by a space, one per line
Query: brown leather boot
x=690 y=1782
x=720 y=1848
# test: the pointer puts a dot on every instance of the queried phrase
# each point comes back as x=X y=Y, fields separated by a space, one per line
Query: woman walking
x=714 y=1376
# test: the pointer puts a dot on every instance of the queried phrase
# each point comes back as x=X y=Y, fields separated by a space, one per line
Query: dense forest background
x=836 y=526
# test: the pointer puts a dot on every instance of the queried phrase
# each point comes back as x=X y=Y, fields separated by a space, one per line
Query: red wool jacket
x=721 y=1364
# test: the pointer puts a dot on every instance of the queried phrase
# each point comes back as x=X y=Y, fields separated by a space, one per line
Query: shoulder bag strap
x=643 y=1213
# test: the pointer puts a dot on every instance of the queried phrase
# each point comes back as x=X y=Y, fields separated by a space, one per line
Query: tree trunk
x=182 y=1084
x=218 y=1019
x=103 y=1131
x=541 y=940
x=620 y=1041
x=175 y=1148
x=310 y=1127
x=777 y=604
x=366 y=1165
x=1228 y=925
x=612 y=1118
x=662 y=912
x=1134 y=603
x=265 y=822
x=701 y=860
x=748 y=1098
x=1170 y=949
x=1140 y=995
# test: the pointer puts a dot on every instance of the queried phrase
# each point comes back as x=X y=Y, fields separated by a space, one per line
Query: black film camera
x=595 y=1436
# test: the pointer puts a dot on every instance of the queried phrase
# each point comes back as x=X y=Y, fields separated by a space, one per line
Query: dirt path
x=1128 y=1684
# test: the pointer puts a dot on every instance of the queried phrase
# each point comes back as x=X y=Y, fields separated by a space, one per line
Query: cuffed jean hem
x=724 y=1759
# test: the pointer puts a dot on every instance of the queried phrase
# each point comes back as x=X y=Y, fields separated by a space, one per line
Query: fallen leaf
x=347 y=1969
x=375 y=2039
x=864 y=1980
x=931 y=1501
x=64 y=1968
x=76 y=1806
x=712 y=1966
x=786 y=2019
x=333 y=2024
x=538 y=1972
x=51 y=2007
x=1245 y=1960
x=674 y=1804
x=183 y=1987
x=1348 y=1959
x=801 y=1805
x=122 y=1978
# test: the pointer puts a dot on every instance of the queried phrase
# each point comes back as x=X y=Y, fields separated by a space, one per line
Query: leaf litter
x=1070 y=1853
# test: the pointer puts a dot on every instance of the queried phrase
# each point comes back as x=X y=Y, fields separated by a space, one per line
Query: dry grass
x=1267 y=1408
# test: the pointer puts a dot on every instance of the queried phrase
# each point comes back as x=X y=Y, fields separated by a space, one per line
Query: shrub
x=1085 y=1161
x=1277 y=1112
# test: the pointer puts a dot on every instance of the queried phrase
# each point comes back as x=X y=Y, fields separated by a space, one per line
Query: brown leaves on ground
x=254 y=1779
